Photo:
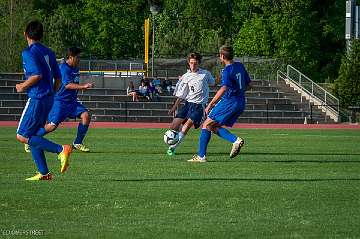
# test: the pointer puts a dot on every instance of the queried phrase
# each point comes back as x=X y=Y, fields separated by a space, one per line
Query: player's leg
x=82 y=128
x=63 y=151
x=40 y=161
x=41 y=132
x=34 y=116
x=204 y=140
x=28 y=126
x=225 y=134
x=236 y=141
x=195 y=115
x=176 y=124
x=226 y=113
x=57 y=114
x=48 y=128
x=179 y=119
x=184 y=129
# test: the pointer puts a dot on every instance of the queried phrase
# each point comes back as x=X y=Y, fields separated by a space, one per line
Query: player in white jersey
x=193 y=89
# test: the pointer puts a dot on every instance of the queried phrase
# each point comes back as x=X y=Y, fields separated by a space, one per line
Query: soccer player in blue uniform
x=66 y=104
x=234 y=82
x=40 y=70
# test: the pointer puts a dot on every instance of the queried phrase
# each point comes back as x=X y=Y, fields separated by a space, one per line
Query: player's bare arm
x=32 y=80
x=175 y=106
x=57 y=84
x=73 y=86
x=216 y=98
x=248 y=87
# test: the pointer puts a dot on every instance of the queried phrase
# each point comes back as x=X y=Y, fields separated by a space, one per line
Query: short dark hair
x=34 y=30
x=195 y=56
x=73 y=51
x=227 y=52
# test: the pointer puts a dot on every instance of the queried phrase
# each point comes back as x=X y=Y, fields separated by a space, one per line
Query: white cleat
x=27 y=148
x=235 y=150
x=81 y=147
x=197 y=159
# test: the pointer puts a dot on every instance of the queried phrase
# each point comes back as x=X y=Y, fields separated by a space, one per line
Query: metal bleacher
x=267 y=102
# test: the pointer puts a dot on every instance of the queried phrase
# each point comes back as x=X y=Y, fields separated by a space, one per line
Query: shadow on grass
x=281 y=161
x=233 y=179
x=289 y=153
x=219 y=153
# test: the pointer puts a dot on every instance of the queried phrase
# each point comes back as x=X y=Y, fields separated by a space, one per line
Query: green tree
x=309 y=34
x=188 y=25
x=294 y=29
x=14 y=15
x=113 y=29
x=254 y=38
x=63 y=28
x=331 y=24
x=347 y=85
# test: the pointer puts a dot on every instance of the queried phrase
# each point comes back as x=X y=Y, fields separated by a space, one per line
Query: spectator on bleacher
x=167 y=85
x=152 y=90
x=157 y=84
x=130 y=91
x=144 y=90
x=150 y=87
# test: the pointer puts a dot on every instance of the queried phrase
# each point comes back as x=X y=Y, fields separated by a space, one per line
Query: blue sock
x=225 y=134
x=39 y=159
x=203 y=142
x=81 y=132
x=41 y=132
x=44 y=144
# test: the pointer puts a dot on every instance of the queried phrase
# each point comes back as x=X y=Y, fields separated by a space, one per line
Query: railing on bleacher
x=112 y=69
x=315 y=93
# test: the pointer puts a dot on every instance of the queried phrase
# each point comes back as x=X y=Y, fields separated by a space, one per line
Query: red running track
x=166 y=125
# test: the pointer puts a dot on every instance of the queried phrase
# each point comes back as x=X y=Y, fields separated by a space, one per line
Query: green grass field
x=284 y=184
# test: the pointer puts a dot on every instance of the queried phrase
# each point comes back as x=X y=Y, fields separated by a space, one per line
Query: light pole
x=352 y=22
x=154 y=9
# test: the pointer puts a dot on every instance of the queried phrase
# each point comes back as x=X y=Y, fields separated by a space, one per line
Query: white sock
x=181 y=138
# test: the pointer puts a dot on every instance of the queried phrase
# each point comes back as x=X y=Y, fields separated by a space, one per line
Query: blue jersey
x=69 y=75
x=40 y=60
x=236 y=78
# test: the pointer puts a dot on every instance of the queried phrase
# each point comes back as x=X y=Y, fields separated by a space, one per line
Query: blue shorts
x=60 y=111
x=34 y=116
x=226 y=112
x=192 y=111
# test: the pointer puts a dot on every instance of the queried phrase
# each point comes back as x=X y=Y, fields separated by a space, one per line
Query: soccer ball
x=171 y=137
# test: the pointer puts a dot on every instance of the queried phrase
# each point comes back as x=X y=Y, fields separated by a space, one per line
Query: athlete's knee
x=85 y=117
x=22 y=139
x=50 y=127
x=215 y=129
x=210 y=126
x=187 y=126
x=207 y=126
x=175 y=125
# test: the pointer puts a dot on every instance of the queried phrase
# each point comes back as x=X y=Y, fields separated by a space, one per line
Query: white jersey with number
x=194 y=86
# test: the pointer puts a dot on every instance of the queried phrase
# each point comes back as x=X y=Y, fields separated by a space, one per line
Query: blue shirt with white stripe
x=236 y=79
x=69 y=75
x=40 y=60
